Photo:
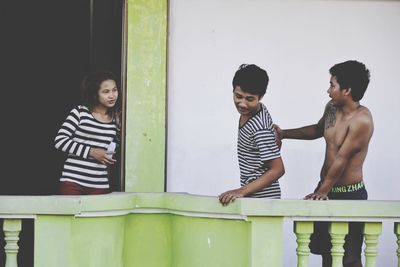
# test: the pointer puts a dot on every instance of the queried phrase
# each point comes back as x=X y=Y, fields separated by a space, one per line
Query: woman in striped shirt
x=89 y=136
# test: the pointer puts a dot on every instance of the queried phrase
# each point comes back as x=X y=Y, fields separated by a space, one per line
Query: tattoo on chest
x=330 y=116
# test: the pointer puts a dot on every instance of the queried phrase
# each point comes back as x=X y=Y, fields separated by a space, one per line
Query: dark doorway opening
x=46 y=48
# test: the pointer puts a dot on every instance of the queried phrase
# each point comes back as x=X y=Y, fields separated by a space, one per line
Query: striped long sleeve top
x=80 y=132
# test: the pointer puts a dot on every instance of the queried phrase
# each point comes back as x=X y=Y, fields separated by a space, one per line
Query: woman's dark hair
x=251 y=79
x=90 y=88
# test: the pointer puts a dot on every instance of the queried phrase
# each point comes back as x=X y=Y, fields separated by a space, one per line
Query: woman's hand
x=103 y=156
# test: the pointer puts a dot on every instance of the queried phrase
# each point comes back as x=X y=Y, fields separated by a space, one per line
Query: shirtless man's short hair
x=347 y=128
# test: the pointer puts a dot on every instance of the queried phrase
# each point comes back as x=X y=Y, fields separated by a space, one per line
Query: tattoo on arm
x=330 y=116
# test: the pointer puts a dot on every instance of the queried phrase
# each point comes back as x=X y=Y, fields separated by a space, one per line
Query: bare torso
x=337 y=126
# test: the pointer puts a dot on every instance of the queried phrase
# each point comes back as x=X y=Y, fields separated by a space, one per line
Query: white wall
x=296 y=42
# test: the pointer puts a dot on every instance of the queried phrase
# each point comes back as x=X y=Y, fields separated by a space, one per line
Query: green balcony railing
x=181 y=230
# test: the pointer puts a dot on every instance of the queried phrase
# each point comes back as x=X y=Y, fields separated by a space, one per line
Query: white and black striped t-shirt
x=256 y=144
x=79 y=132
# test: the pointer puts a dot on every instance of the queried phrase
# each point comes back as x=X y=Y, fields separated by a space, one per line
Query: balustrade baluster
x=303 y=231
x=397 y=232
x=372 y=230
x=338 y=231
x=11 y=228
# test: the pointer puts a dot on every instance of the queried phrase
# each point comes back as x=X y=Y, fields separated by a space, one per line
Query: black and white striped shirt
x=256 y=144
x=79 y=132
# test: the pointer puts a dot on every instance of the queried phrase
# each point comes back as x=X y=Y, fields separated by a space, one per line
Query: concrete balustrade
x=372 y=230
x=180 y=230
x=11 y=228
x=338 y=231
x=303 y=231
x=397 y=233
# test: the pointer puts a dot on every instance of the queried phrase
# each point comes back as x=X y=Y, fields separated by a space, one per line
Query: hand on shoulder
x=278 y=135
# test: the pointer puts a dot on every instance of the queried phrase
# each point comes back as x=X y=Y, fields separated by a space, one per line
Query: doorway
x=47 y=48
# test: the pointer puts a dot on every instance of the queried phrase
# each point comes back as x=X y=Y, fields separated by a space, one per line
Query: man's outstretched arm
x=308 y=132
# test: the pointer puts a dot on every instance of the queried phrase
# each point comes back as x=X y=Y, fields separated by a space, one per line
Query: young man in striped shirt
x=259 y=156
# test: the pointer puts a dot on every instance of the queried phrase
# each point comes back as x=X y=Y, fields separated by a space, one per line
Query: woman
x=88 y=136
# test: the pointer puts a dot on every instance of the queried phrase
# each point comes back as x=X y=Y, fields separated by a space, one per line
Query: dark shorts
x=321 y=241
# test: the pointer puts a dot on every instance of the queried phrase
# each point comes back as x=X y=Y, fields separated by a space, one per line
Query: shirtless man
x=347 y=128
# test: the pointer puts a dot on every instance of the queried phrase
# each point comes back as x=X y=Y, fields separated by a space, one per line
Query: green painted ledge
x=173 y=229
x=182 y=202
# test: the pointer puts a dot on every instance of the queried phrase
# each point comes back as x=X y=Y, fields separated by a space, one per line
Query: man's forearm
x=306 y=133
x=332 y=176
x=268 y=178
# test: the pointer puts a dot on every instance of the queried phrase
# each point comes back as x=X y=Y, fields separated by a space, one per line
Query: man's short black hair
x=352 y=74
x=251 y=79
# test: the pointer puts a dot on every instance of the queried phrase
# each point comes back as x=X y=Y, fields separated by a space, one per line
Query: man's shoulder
x=365 y=111
x=265 y=118
x=329 y=104
x=363 y=116
x=362 y=120
x=329 y=108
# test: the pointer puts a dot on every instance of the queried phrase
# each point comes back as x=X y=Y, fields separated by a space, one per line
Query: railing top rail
x=181 y=203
